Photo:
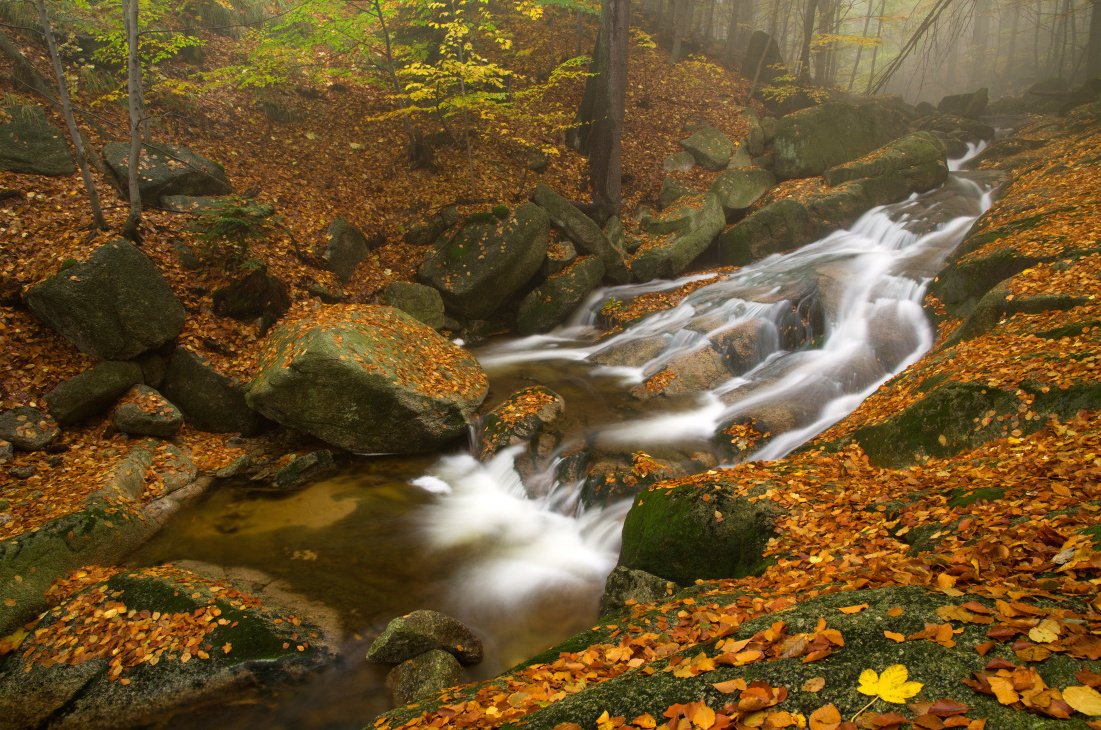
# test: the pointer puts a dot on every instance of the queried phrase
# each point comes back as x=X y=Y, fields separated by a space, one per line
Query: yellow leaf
x=1086 y=700
x=853 y=609
x=1046 y=632
x=891 y=686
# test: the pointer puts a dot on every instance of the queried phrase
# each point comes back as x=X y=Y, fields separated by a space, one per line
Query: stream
x=523 y=562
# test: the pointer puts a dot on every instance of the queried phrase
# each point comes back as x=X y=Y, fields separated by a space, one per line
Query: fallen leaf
x=891 y=686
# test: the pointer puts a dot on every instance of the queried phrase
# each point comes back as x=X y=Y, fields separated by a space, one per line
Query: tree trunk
x=875 y=48
x=137 y=119
x=732 y=32
x=1093 y=47
x=808 y=36
x=979 y=43
x=860 y=48
x=680 y=27
x=606 y=136
x=707 y=24
x=70 y=120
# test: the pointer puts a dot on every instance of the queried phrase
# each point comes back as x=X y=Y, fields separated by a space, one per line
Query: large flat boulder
x=810 y=141
x=114 y=305
x=678 y=236
x=167 y=169
x=709 y=147
x=920 y=158
x=583 y=231
x=552 y=301
x=92 y=391
x=739 y=189
x=488 y=260
x=368 y=379
x=779 y=227
x=211 y=400
x=30 y=145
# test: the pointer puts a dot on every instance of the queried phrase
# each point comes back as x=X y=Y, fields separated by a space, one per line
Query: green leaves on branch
x=228 y=227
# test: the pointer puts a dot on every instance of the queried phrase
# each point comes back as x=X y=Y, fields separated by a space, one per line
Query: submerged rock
x=423 y=676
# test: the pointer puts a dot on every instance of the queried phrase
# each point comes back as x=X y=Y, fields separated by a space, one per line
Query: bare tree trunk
x=707 y=24
x=732 y=31
x=875 y=48
x=606 y=137
x=1093 y=45
x=70 y=120
x=808 y=36
x=860 y=48
x=979 y=42
x=137 y=119
x=1011 y=51
x=680 y=27
x=580 y=27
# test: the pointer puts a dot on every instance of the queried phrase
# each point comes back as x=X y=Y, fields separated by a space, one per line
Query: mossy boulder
x=145 y=412
x=779 y=227
x=147 y=644
x=346 y=248
x=518 y=419
x=413 y=634
x=368 y=379
x=487 y=261
x=555 y=299
x=739 y=189
x=30 y=145
x=763 y=60
x=114 y=305
x=305 y=469
x=709 y=147
x=583 y=231
x=423 y=676
x=624 y=584
x=671 y=190
x=1000 y=302
x=167 y=169
x=969 y=105
x=211 y=400
x=810 y=141
x=421 y=302
x=677 y=236
x=919 y=157
x=28 y=429
x=696 y=532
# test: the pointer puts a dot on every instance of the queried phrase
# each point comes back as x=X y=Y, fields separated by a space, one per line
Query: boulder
x=114 y=305
x=256 y=294
x=188 y=203
x=763 y=61
x=145 y=412
x=487 y=261
x=633 y=353
x=671 y=190
x=680 y=162
x=837 y=207
x=690 y=372
x=709 y=147
x=741 y=188
x=413 y=634
x=812 y=140
x=678 y=535
x=346 y=248
x=92 y=391
x=28 y=429
x=779 y=227
x=30 y=145
x=210 y=400
x=560 y=253
x=305 y=469
x=427 y=231
x=755 y=137
x=421 y=302
x=553 y=300
x=746 y=345
x=970 y=105
x=165 y=170
x=740 y=159
x=625 y=584
x=518 y=419
x=423 y=677
x=694 y=222
x=919 y=158
x=583 y=231
x=368 y=379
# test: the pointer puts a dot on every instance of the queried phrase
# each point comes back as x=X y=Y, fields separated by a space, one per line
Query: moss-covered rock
x=423 y=676
x=739 y=189
x=710 y=147
x=779 y=227
x=145 y=412
x=30 y=145
x=810 y=141
x=583 y=231
x=518 y=419
x=368 y=379
x=211 y=400
x=556 y=298
x=28 y=429
x=167 y=169
x=91 y=391
x=678 y=236
x=920 y=157
x=422 y=302
x=413 y=634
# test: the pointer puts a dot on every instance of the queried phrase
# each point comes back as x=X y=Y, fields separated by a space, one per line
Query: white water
x=867 y=282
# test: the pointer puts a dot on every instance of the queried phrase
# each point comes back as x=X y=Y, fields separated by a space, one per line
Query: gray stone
x=28 y=429
x=812 y=140
x=746 y=345
x=779 y=227
x=22 y=472
x=92 y=391
x=710 y=147
x=115 y=305
x=755 y=138
x=671 y=190
x=413 y=634
x=691 y=372
x=426 y=232
x=153 y=367
x=346 y=248
x=29 y=145
x=552 y=301
x=519 y=418
x=740 y=159
x=694 y=222
x=187 y=257
x=625 y=584
x=487 y=261
x=919 y=157
x=7 y=452
x=210 y=401
x=583 y=231
x=739 y=189
x=422 y=302
x=188 y=203
x=560 y=253
x=148 y=413
x=368 y=379
x=305 y=469
x=631 y=353
x=423 y=677
x=167 y=170
x=969 y=105
x=680 y=162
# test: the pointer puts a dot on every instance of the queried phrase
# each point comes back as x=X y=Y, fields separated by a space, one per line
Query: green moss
x=962 y=497
x=146 y=593
x=500 y=211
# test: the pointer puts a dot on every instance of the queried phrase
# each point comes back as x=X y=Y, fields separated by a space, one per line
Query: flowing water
x=523 y=561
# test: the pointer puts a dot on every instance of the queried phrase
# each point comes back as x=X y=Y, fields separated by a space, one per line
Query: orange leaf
x=825 y=718
x=899 y=638
x=853 y=609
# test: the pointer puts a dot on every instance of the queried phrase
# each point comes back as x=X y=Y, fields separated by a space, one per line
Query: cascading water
x=523 y=562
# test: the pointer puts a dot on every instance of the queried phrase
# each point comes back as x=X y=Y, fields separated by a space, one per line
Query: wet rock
x=612 y=477
x=210 y=400
x=28 y=429
x=694 y=222
x=691 y=372
x=746 y=345
x=633 y=353
x=779 y=227
x=92 y=391
x=305 y=469
x=810 y=141
x=739 y=189
x=423 y=677
x=710 y=148
x=625 y=584
x=145 y=412
x=167 y=170
x=556 y=298
x=368 y=379
x=346 y=248
x=583 y=231
x=487 y=261
x=114 y=305
x=30 y=145
x=413 y=634
x=22 y=472
x=421 y=302
x=677 y=535
x=518 y=419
